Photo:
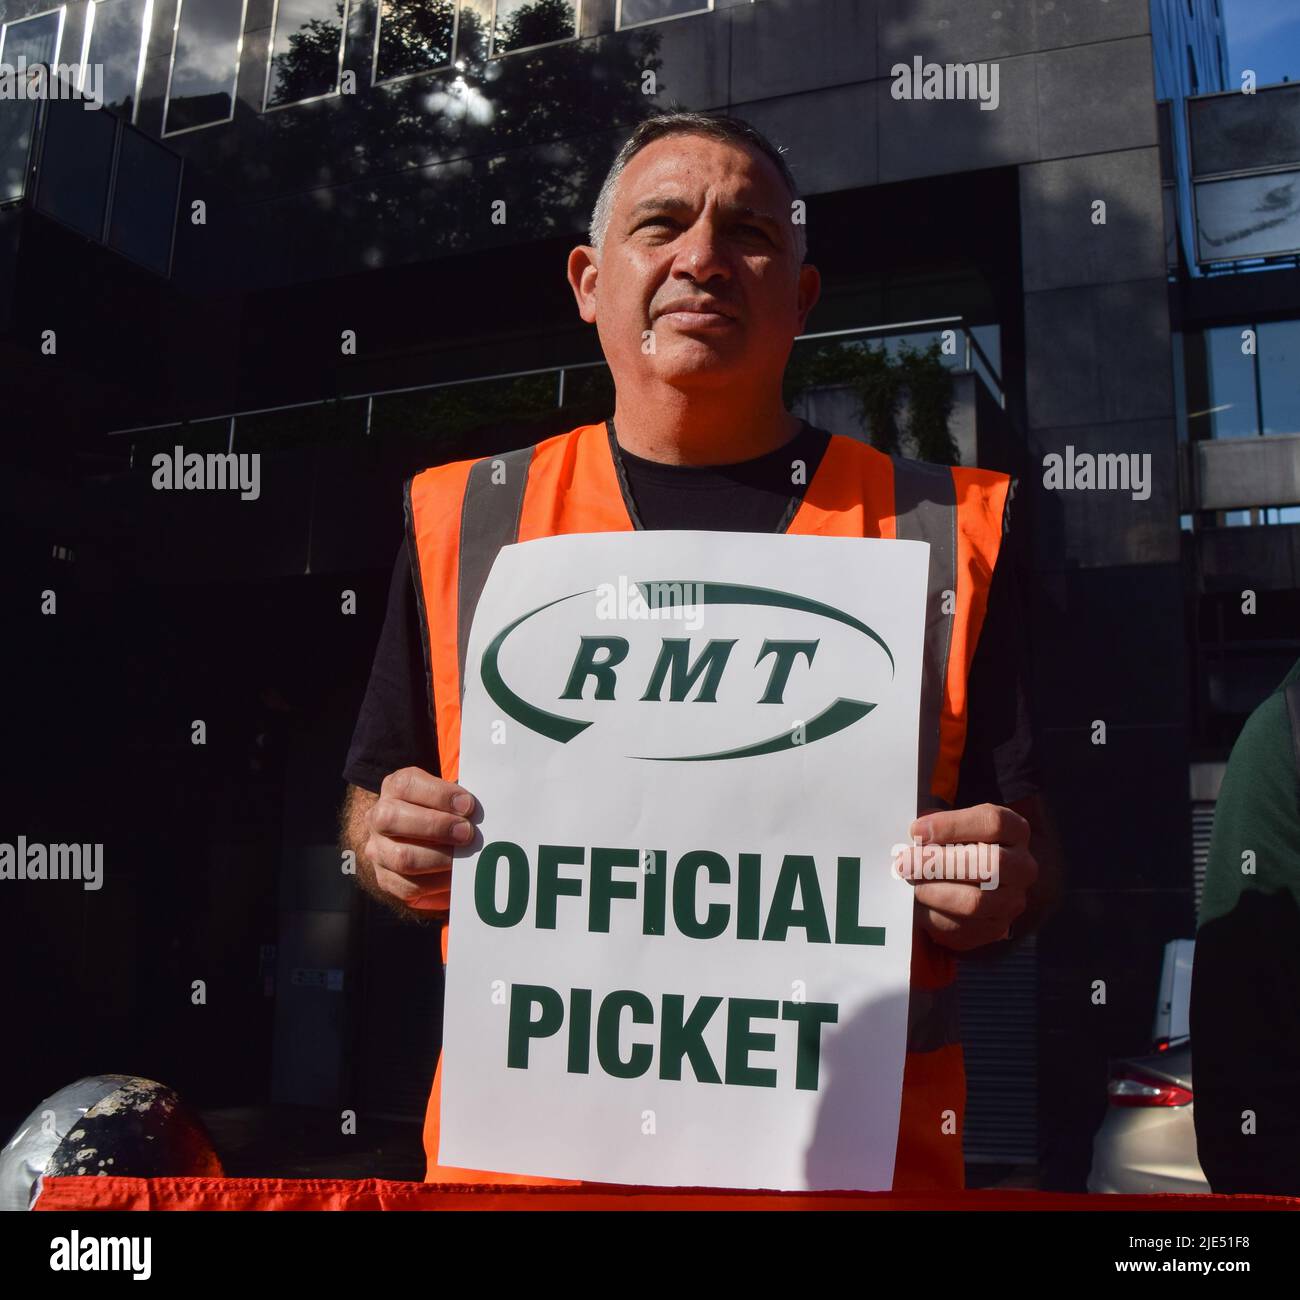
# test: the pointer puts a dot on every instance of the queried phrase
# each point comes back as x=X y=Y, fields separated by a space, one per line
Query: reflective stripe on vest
x=925 y=510
x=489 y=520
x=460 y=515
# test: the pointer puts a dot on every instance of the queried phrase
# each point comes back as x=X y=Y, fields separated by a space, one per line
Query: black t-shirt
x=395 y=728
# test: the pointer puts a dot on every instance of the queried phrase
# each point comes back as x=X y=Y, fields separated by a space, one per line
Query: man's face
x=698 y=283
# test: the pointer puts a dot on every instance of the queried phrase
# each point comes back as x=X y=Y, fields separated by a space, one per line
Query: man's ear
x=584 y=270
x=810 y=289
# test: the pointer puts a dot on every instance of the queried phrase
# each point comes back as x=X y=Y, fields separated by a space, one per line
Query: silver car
x=1147 y=1142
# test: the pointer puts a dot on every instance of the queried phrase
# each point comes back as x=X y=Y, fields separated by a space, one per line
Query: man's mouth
x=695 y=313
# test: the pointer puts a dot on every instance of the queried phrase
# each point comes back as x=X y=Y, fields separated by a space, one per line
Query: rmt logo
x=680 y=670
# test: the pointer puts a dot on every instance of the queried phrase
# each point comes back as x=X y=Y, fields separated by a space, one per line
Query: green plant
x=879 y=380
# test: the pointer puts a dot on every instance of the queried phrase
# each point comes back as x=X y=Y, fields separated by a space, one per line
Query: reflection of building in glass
x=117 y=32
x=1231 y=168
x=204 y=64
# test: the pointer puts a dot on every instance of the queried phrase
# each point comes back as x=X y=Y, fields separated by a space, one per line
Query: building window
x=413 y=36
x=1279 y=376
x=1259 y=516
x=306 y=51
x=1243 y=218
x=1236 y=393
x=1232 y=401
x=632 y=13
x=35 y=41
x=76 y=166
x=112 y=52
x=146 y=190
x=205 y=64
x=524 y=24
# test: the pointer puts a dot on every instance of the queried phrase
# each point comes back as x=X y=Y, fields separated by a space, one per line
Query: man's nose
x=701 y=253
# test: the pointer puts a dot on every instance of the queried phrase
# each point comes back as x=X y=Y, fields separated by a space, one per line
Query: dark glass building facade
x=333 y=232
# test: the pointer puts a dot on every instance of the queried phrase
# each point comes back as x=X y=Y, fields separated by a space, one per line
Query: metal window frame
x=1240 y=257
x=1192 y=174
x=376 y=80
x=61 y=10
x=1259 y=326
x=171 y=68
x=1196 y=179
x=36 y=142
x=146 y=28
x=176 y=206
x=889 y=329
x=43 y=128
x=270 y=60
x=1256 y=388
x=120 y=129
x=621 y=26
x=542 y=45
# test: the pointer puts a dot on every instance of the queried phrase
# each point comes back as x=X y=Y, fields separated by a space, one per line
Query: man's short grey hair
x=731 y=130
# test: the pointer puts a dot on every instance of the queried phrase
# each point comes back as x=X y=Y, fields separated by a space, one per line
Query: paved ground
x=302 y=1142
x=1003 y=1177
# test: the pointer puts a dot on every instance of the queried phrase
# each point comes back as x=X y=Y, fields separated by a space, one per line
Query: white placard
x=677 y=952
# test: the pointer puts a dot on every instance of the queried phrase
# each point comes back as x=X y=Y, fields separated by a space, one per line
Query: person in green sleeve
x=1245 y=1001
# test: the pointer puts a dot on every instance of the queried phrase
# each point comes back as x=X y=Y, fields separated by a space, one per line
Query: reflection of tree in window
x=521 y=23
x=414 y=166
x=305 y=53
x=414 y=36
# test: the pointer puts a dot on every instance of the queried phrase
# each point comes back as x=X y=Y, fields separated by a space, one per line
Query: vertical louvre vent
x=999 y=1028
x=1202 y=829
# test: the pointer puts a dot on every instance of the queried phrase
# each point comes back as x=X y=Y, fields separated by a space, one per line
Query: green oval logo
x=675 y=670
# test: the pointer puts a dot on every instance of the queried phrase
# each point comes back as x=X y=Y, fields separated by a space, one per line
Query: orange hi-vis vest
x=458 y=517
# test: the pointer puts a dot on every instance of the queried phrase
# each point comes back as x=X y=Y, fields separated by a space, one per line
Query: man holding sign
x=595 y=861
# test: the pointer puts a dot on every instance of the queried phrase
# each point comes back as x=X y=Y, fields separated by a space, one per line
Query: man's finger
x=1003 y=869
x=962 y=936
x=415 y=785
x=986 y=823
x=1015 y=868
x=412 y=890
x=958 y=900
x=408 y=857
x=396 y=819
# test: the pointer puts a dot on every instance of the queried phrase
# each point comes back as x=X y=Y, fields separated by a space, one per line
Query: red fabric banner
x=107 y=1193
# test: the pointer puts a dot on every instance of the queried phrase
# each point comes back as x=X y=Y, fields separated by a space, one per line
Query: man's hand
x=404 y=839
x=959 y=914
